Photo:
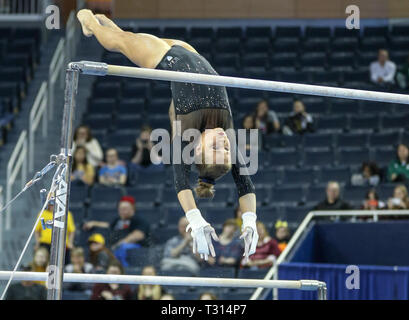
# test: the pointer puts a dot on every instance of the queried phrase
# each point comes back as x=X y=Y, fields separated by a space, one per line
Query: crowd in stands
x=111 y=241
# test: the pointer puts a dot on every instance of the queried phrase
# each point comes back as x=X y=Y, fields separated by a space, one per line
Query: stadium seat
x=353 y=157
x=288 y=32
x=352 y=140
x=321 y=157
x=299 y=177
x=287 y=195
x=284 y=158
x=334 y=174
x=352 y=193
x=384 y=155
x=102 y=196
x=144 y=195
x=102 y=214
x=369 y=123
x=318 y=140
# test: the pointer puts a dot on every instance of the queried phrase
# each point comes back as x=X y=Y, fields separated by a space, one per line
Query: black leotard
x=205 y=106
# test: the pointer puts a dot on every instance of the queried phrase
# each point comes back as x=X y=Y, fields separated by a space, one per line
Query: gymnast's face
x=215 y=146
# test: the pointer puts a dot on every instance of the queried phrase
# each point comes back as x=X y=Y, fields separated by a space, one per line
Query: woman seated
x=82 y=171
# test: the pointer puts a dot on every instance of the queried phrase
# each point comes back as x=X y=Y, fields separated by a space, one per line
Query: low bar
x=103 y=69
x=310 y=285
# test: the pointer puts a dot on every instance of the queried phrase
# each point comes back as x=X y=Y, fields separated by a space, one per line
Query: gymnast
x=202 y=107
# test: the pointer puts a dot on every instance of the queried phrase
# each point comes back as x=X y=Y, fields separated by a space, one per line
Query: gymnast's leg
x=144 y=50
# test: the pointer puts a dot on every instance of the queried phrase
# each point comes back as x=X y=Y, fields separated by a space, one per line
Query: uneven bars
x=103 y=69
x=309 y=285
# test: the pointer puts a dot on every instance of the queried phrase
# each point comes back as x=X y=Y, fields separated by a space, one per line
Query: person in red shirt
x=266 y=252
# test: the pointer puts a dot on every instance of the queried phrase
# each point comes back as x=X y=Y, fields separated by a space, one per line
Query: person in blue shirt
x=114 y=172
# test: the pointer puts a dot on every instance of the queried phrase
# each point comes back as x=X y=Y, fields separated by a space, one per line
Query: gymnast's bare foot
x=106 y=22
x=84 y=16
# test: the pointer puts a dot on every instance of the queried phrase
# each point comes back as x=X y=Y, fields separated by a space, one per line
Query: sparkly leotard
x=207 y=105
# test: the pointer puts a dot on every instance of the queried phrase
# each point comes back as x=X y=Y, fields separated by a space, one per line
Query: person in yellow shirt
x=43 y=237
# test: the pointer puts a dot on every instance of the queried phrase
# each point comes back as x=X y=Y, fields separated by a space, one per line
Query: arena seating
x=294 y=169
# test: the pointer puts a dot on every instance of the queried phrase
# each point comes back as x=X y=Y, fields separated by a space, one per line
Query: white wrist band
x=249 y=220
x=195 y=219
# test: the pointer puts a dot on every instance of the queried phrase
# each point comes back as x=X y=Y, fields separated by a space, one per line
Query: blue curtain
x=376 y=282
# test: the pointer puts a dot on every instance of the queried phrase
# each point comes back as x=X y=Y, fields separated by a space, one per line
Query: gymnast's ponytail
x=205 y=188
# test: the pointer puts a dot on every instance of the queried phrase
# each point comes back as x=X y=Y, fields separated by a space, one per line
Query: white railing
x=38 y=112
x=273 y=272
x=16 y=165
x=56 y=70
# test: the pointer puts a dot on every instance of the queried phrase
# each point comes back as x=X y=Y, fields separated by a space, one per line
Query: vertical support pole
x=59 y=233
x=322 y=291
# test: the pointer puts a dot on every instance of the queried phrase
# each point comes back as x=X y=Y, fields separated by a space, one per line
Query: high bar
x=103 y=69
x=169 y=281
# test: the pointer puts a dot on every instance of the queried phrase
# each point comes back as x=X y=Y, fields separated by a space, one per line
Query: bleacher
x=293 y=170
x=19 y=56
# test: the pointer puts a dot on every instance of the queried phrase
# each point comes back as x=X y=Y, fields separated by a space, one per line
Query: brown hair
x=208 y=175
x=89 y=134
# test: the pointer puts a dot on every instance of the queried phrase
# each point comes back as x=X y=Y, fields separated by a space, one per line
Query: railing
x=38 y=112
x=16 y=164
x=21 y=6
x=273 y=272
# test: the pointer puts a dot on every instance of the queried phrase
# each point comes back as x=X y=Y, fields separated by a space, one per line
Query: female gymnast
x=201 y=107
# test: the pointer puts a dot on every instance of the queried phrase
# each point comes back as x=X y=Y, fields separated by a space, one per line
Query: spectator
x=237 y=217
x=82 y=171
x=333 y=200
x=207 y=296
x=99 y=255
x=178 y=251
x=228 y=249
x=398 y=169
x=26 y=290
x=84 y=138
x=148 y=291
x=264 y=119
x=282 y=234
x=266 y=252
x=78 y=265
x=249 y=122
x=141 y=152
x=114 y=172
x=43 y=237
x=372 y=201
x=402 y=76
x=299 y=121
x=383 y=70
x=369 y=175
x=127 y=231
x=112 y=291
x=40 y=262
x=400 y=200
x=167 y=296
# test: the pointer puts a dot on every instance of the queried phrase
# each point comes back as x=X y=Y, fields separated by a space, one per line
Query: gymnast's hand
x=249 y=234
x=202 y=234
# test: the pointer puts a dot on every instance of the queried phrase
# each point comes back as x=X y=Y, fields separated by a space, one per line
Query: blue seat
x=173 y=215
x=370 y=122
x=349 y=45
x=399 y=44
x=129 y=121
x=252 y=274
x=284 y=60
x=107 y=90
x=164 y=234
x=245 y=105
x=144 y=195
x=98 y=122
x=315 y=194
x=334 y=174
x=78 y=214
x=383 y=139
x=169 y=196
x=356 y=76
x=175 y=33
x=102 y=196
x=295 y=215
x=290 y=195
x=102 y=214
x=228 y=45
x=78 y=194
x=316 y=45
x=395 y=121
x=284 y=158
x=120 y=139
x=317 y=140
x=318 y=158
x=372 y=44
x=326 y=76
x=317 y=107
x=201 y=32
x=369 y=107
x=254 y=60
x=286 y=45
x=296 y=76
x=354 y=193
x=269 y=215
x=313 y=59
x=317 y=32
x=257 y=45
x=352 y=140
x=102 y=105
x=226 y=60
x=266 y=177
x=131 y=106
x=299 y=176
x=353 y=157
x=153 y=216
x=381 y=31
x=288 y=32
x=74 y=295
x=384 y=155
x=386 y=190
x=342 y=106
x=274 y=141
x=258 y=32
x=217 y=216
x=332 y=123
x=135 y=90
x=229 y=32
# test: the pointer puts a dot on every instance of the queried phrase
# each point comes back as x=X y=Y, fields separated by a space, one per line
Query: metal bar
x=88 y=67
x=57 y=250
x=309 y=285
x=1 y=218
